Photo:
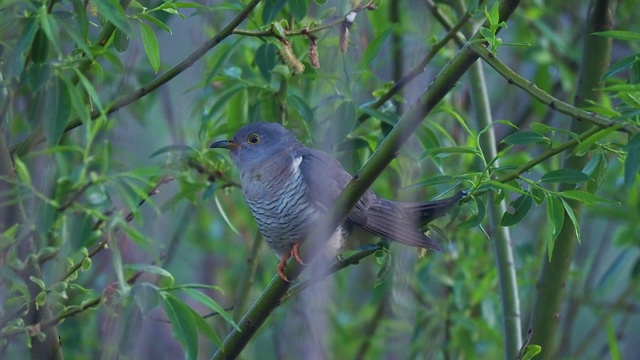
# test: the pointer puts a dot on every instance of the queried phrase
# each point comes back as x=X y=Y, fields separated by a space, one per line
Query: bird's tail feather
x=400 y=221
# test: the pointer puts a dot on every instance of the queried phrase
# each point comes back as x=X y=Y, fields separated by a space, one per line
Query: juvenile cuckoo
x=289 y=186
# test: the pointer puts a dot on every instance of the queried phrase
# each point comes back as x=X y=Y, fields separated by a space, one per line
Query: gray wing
x=397 y=221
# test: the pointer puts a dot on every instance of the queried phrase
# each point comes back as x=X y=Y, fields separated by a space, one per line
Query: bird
x=289 y=186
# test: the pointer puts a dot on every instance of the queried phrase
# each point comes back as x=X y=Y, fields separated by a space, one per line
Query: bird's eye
x=253 y=139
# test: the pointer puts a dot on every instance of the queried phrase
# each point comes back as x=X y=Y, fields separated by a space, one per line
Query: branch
x=556 y=265
x=386 y=152
x=36 y=137
x=532 y=89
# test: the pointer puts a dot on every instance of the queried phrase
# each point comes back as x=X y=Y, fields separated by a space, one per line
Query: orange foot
x=280 y=267
x=296 y=254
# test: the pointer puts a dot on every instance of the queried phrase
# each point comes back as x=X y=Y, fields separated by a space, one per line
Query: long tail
x=400 y=221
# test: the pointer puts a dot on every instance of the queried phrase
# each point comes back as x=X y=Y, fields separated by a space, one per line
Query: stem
x=500 y=236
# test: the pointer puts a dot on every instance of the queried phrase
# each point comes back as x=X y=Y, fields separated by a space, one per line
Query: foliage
x=116 y=219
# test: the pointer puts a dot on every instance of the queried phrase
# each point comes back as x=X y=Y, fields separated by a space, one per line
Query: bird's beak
x=224 y=144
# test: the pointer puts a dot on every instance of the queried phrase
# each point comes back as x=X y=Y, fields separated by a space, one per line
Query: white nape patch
x=351 y=16
x=295 y=166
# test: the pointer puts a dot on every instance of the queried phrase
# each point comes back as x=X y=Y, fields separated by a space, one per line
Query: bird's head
x=257 y=142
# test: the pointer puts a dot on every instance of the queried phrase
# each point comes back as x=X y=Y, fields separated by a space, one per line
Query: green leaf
x=440 y=179
x=451 y=150
x=265 y=59
x=113 y=12
x=120 y=41
x=298 y=8
x=584 y=197
x=383 y=258
x=50 y=28
x=271 y=9
x=301 y=106
x=211 y=304
x=372 y=50
x=612 y=339
x=567 y=175
x=621 y=65
x=183 y=325
x=526 y=137
x=39 y=47
x=173 y=148
x=619 y=34
x=631 y=164
x=572 y=217
x=151 y=47
x=389 y=118
x=155 y=21
x=555 y=215
x=224 y=215
x=477 y=218
x=38 y=282
x=585 y=144
x=22 y=171
x=530 y=351
x=521 y=207
x=89 y=89
x=54 y=125
x=151 y=269
x=76 y=100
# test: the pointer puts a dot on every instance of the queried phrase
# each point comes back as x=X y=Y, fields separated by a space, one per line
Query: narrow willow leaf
x=572 y=216
x=54 y=125
x=183 y=325
x=372 y=50
x=271 y=9
x=39 y=47
x=584 y=197
x=619 y=34
x=76 y=100
x=530 y=351
x=50 y=28
x=151 y=269
x=477 y=218
x=151 y=47
x=555 y=215
x=526 y=137
x=113 y=12
x=155 y=21
x=120 y=41
x=521 y=207
x=621 y=65
x=298 y=8
x=567 y=175
x=265 y=59
x=22 y=171
x=211 y=304
x=300 y=105
x=631 y=164
x=224 y=215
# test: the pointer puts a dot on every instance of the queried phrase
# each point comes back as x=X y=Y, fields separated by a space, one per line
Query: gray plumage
x=289 y=186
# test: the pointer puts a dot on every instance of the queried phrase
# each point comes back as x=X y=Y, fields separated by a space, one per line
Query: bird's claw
x=280 y=267
x=296 y=254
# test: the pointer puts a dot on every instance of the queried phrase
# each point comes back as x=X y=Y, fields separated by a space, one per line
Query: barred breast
x=277 y=197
